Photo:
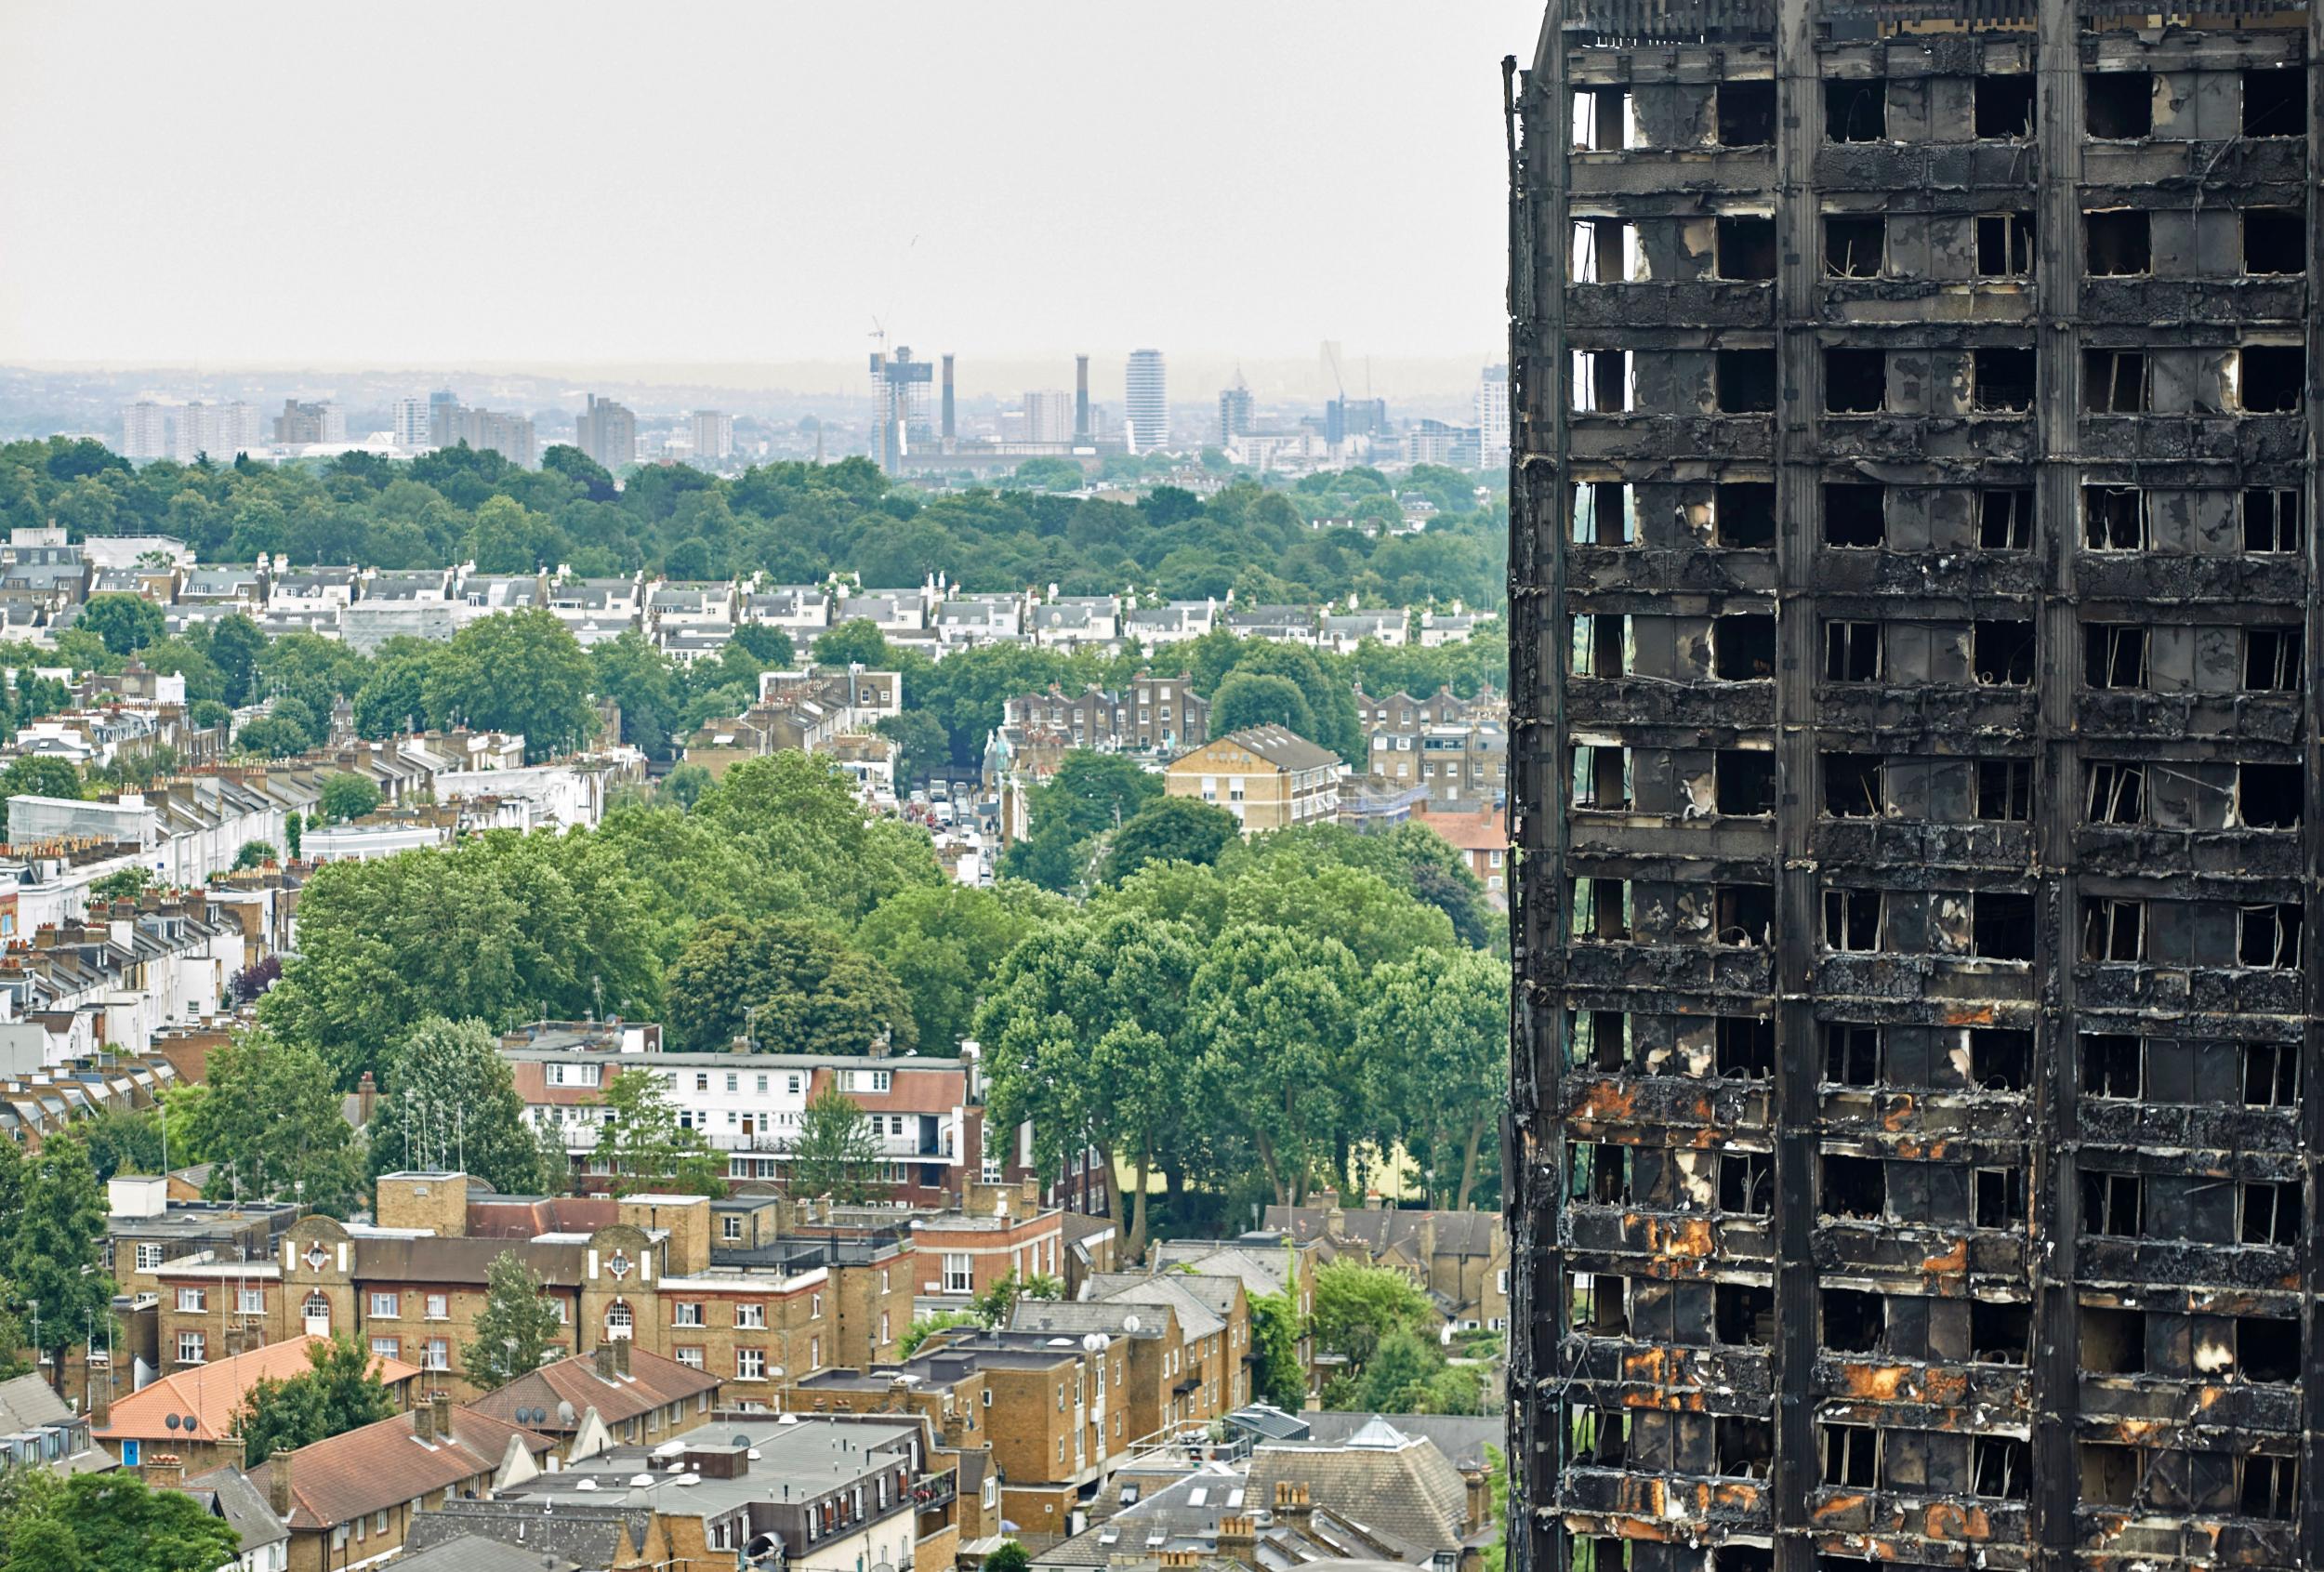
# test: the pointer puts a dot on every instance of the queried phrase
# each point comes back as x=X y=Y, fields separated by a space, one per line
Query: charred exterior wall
x=1915 y=1090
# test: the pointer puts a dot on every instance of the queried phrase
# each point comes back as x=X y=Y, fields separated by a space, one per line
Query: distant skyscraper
x=145 y=429
x=714 y=435
x=1146 y=401
x=1493 y=413
x=304 y=423
x=1345 y=417
x=410 y=422
x=1049 y=416
x=1081 y=398
x=1235 y=405
x=607 y=432
x=218 y=430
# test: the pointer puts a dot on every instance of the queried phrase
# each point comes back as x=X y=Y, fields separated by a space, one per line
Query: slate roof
x=1380 y=1477
x=1262 y=1271
x=1462 y=1437
x=589 y=1535
x=229 y=1494
x=1200 y=1312
x=472 y=1554
x=1285 y=749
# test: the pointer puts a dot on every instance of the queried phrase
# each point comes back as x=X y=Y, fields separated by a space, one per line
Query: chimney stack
x=278 y=1484
x=424 y=1422
x=1081 y=398
x=621 y=1357
x=948 y=410
x=602 y=1358
x=1239 y=1541
x=167 y=1471
x=441 y=1402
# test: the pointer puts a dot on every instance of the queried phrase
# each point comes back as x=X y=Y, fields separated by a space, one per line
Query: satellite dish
x=1131 y=1324
x=739 y=1441
x=1092 y=1341
x=564 y=1413
x=171 y=1421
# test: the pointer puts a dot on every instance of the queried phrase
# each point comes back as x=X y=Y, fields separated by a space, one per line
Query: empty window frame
x=2274 y=242
x=2267 y=379
x=2118 y=106
x=2114 y=793
x=2000 y=1466
x=1851 y=786
x=1852 y=1188
x=1600 y=1173
x=2272 y=660
x=1743 y=646
x=1605 y=513
x=1605 y=120
x=1747 y=113
x=2268 y=1348
x=2001 y=925
x=2276 y=103
x=1856 y=381
x=1601 y=777
x=1744 y=381
x=2112 y=1341
x=1855 y=514
x=2005 y=518
x=2114 y=518
x=1746 y=1182
x=1600 y=1436
x=1744 y=514
x=1600 y=1552
x=1997 y=1197
x=1746 y=1047
x=2270 y=1211
x=1852 y=1054
x=2003 y=790
x=1742 y=1314
x=1744 y=1448
x=1851 y=1456
x=2114 y=1204
x=1856 y=111
x=2115 y=382
x=2268 y=795
x=2000 y=1334
x=1855 y=245
x=2001 y=653
x=2004 y=109
x=2112 y=1474
x=1743 y=247
x=1603 y=382
x=1852 y=921
x=2271 y=521
x=1602 y=913
x=2114 y=656
x=1606 y=251
x=1744 y=915
x=2119 y=242
x=1744 y=783
x=2267 y=937
x=2005 y=248
x=1855 y=1321
x=2114 y=928
x=2271 y=1075
x=2114 y=1065
x=2267 y=1487
x=2001 y=1058
x=1599 y=1304
x=1598 y=1039
x=1852 y=651
x=1604 y=644
x=2002 y=380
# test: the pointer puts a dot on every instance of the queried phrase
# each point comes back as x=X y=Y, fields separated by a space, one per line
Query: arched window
x=617 y=1319
x=317 y=1311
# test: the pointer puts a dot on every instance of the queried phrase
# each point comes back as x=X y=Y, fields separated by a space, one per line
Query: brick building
x=1914 y=1130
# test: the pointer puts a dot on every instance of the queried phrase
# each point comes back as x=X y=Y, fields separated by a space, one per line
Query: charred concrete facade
x=1914 y=1128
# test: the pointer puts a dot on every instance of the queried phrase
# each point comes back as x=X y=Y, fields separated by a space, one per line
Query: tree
x=126 y=622
x=631 y=672
x=1407 y=1374
x=1274 y=1012
x=790 y=983
x=995 y=1305
x=765 y=643
x=273 y=736
x=1170 y=829
x=519 y=672
x=253 y=854
x=944 y=942
x=293 y=828
x=452 y=1103
x=120 y=1141
x=926 y=1326
x=115 y=1523
x=686 y=783
x=859 y=642
x=517 y=1331
x=122 y=884
x=1433 y=1039
x=345 y=797
x=37 y=775
x=271 y=1129
x=1084 y=1030
x=54 y=1245
x=235 y=644
x=1276 y=1376
x=921 y=745
x=1357 y=1306
x=1250 y=698
x=1008 y=1556
x=340 y=1391
x=393 y=699
x=1095 y=791
x=645 y=1146
x=835 y=1152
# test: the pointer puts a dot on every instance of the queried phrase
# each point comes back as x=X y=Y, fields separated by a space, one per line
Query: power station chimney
x=1081 y=398
x=947 y=429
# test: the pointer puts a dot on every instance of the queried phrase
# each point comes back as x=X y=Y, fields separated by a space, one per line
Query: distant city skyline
x=815 y=216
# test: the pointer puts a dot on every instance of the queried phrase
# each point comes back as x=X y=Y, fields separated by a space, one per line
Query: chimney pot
x=278 y=1484
x=441 y=1402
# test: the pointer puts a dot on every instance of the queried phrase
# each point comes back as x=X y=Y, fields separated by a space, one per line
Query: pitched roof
x=210 y=1394
x=652 y=1382
x=1285 y=749
x=472 y=1552
x=1196 y=1317
x=229 y=1494
x=380 y=1465
x=1462 y=1437
x=1380 y=1477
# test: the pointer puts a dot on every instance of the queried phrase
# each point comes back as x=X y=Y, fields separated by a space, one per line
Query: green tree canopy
x=344 y=796
x=518 y=1330
x=797 y=987
x=270 y=1125
x=1170 y=829
x=1355 y=1306
x=517 y=671
x=1273 y=1010
x=835 y=1153
x=112 y=1522
x=340 y=1391
x=647 y=1148
x=1256 y=698
x=36 y=775
x=1433 y=1039
x=125 y=622
x=944 y=942
x=53 y=1242
x=451 y=1104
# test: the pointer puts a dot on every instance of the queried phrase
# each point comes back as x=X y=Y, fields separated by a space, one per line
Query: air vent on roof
x=584 y=1484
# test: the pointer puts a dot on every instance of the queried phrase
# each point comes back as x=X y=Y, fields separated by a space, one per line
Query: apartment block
x=1914 y=1134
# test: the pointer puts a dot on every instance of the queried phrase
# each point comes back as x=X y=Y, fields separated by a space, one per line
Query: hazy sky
x=582 y=182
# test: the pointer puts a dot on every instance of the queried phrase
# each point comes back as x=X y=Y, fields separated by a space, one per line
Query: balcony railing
x=937 y=1491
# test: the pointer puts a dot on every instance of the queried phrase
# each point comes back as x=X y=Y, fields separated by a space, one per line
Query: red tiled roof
x=1469 y=832
x=386 y=1464
x=652 y=1383
x=211 y=1394
x=497 y=1217
x=909 y=1092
